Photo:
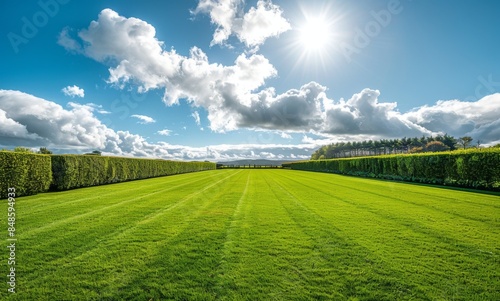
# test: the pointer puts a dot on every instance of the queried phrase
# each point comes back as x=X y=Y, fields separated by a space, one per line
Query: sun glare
x=315 y=35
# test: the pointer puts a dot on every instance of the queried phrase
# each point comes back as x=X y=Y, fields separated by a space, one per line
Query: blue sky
x=230 y=79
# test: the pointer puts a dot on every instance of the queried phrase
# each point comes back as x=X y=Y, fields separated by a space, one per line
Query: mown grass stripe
x=229 y=240
x=411 y=202
x=259 y=246
x=186 y=261
x=145 y=214
x=436 y=194
x=93 y=212
x=78 y=205
x=355 y=265
x=260 y=235
x=128 y=237
x=418 y=236
x=55 y=199
x=385 y=208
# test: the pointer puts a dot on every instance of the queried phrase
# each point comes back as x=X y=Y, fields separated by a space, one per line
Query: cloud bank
x=479 y=119
x=31 y=121
x=35 y=122
x=235 y=96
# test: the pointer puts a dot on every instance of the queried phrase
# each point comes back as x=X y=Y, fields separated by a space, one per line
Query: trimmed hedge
x=34 y=173
x=27 y=173
x=74 y=171
x=474 y=168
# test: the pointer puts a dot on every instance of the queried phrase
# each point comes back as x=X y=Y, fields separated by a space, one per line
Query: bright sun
x=315 y=35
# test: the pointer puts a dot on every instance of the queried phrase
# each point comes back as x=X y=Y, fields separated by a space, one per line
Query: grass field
x=256 y=235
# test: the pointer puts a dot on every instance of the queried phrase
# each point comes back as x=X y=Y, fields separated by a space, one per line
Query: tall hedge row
x=475 y=168
x=33 y=173
x=27 y=173
x=73 y=171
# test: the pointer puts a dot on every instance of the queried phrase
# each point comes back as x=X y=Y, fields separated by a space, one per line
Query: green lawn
x=255 y=234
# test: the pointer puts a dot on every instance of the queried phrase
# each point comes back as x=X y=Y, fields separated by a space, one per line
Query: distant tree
x=449 y=141
x=377 y=146
x=424 y=140
x=415 y=142
x=45 y=151
x=330 y=152
x=20 y=149
x=405 y=144
x=436 y=146
x=416 y=149
x=465 y=141
x=94 y=153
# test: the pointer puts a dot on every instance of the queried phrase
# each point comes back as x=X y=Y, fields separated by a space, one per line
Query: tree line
x=392 y=146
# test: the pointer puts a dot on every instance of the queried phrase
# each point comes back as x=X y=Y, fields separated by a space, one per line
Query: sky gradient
x=230 y=79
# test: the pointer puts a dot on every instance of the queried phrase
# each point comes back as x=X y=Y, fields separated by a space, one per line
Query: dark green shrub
x=73 y=171
x=475 y=168
x=28 y=173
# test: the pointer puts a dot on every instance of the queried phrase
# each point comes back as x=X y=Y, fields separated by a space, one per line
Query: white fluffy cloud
x=11 y=130
x=73 y=91
x=44 y=122
x=235 y=96
x=285 y=135
x=31 y=121
x=34 y=122
x=143 y=119
x=251 y=28
x=129 y=45
x=91 y=107
x=222 y=13
x=165 y=132
x=261 y=23
x=228 y=152
x=293 y=110
x=478 y=119
x=363 y=114
x=196 y=117
x=228 y=93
